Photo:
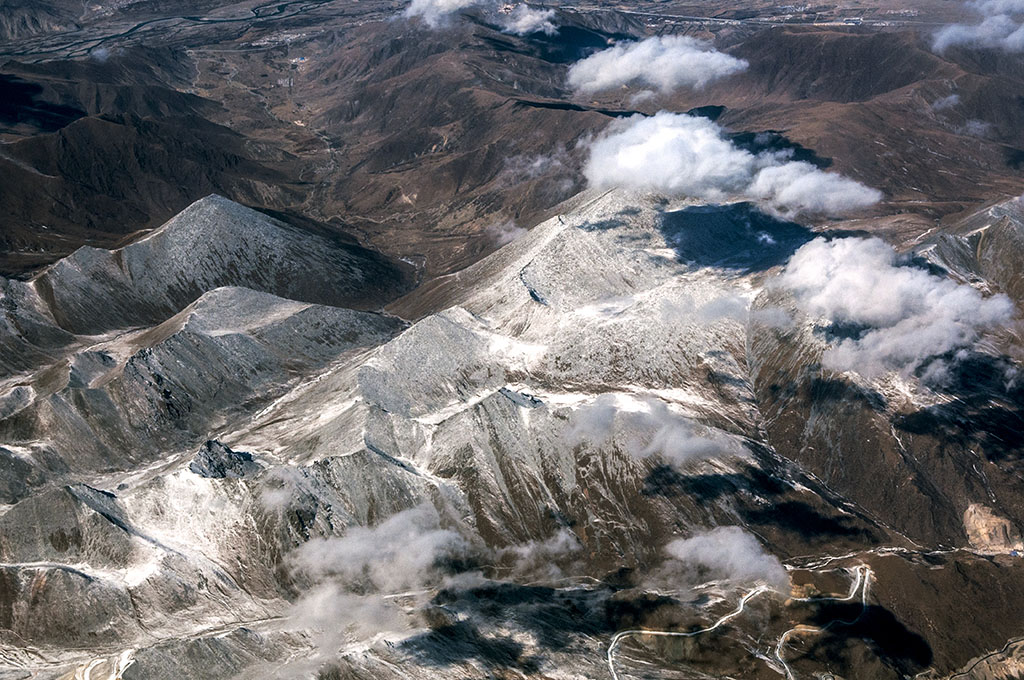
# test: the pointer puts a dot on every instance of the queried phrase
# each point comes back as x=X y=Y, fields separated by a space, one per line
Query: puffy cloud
x=647 y=427
x=682 y=309
x=975 y=128
x=736 y=308
x=405 y=551
x=504 y=232
x=672 y=154
x=771 y=317
x=726 y=307
x=997 y=29
x=797 y=187
x=542 y=560
x=354 y=579
x=594 y=422
x=281 y=485
x=680 y=155
x=333 y=615
x=678 y=441
x=524 y=20
x=725 y=553
x=555 y=168
x=900 y=315
x=641 y=97
x=521 y=168
x=991 y=7
x=435 y=12
x=377 y=580
x=946 y=103
x=664 y=63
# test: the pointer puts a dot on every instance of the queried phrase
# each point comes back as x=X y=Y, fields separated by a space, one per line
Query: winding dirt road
x=860 y=585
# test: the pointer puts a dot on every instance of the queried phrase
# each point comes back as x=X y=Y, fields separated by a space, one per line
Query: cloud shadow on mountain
x=736 y=236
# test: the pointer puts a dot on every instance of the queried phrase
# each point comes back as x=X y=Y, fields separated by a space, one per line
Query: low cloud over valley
x=665 y=63
x=900 y=315
x=687 y=156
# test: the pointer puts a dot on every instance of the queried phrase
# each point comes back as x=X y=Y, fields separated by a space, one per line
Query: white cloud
x=647 y=427
x=680 y=155
x=504 y=232
x=736 y=308
x=796 y=187
x=682 y=309
x=672 y=154
x=524 y=20
x=904 y=315
x=975 y=128
x=521 y=168
x=726 y=307
x=990 y=7
x=771 y=317
x=541 y=560
x=946 y=103
x=333 y=615
x=404 y=551
x=997 y=29
x=595 y=421
x=726 y=553
x=678 y=441
x=556 y=169
x=351 y=578
x=435 y=12
x=665 y=63
x=641 y=97
x=376 y=580
x=281 y=485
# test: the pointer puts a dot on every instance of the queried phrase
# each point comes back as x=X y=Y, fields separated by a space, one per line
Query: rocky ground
x=298 y=394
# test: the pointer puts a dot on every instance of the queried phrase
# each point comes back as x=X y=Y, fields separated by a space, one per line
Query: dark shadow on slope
x=460 y=642
x=665 y=481
x=987 y=412
x=838 y=331
x=572 y=43
x=837 y=389
x=771 y=141
x=1014 y=157
x=918 y=262
x=736 y=236
x=603 y=225
x=568 y=45
x=20 y=105
x=747 y=491
x=832 y=390
x=725 y=379
x=893 y=642
x=554 y=617
x=712 y=112
x=567 y=106
x=800 y=518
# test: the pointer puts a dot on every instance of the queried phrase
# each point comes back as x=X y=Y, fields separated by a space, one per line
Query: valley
x=350 y=340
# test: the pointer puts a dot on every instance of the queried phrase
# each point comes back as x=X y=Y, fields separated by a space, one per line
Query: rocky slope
x=214 y=475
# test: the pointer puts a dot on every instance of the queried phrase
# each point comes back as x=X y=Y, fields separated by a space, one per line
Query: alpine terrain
x=390 y=339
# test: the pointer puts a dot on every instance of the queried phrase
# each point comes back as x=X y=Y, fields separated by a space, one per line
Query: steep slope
x=144 y=396
x=493 y=394
x=212 y=243
x=528 y=462
x=131 y=355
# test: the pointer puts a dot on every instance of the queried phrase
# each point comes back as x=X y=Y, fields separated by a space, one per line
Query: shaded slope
x=212 y=243
x=162 y=391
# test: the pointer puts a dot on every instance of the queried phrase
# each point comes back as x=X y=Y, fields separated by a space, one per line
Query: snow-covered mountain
x=625 y=418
